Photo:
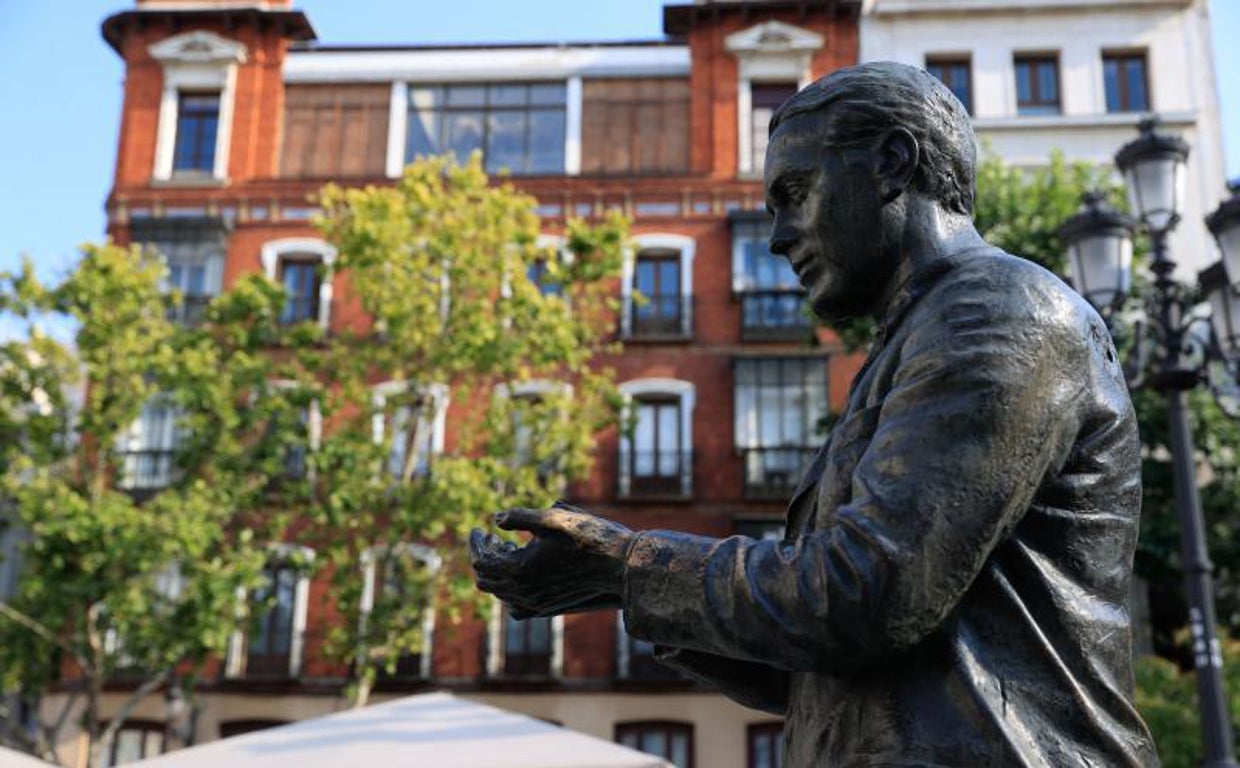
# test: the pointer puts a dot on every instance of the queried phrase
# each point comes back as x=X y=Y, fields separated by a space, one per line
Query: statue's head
x=848 y=156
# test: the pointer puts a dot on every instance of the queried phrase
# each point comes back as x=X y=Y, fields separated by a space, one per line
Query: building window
x=195 y=111
x=273 y=644
x=135 y=740
x=656 y=457
x=772 y=299
x=956 y=73
x=300 y=277
x=764 y=99
x=661 y=272
x=766 y=745
x=779 y=402
x=193 y=250
x=1037 y=85
x=198 y=118
x=526 y=648
x=304 y=267
x=635 y=126
x=410 y=421
x=760 y=529
x=669 y=740
x=519 y=127
x=402 y=597
x=1127 y=85
x=148 y=450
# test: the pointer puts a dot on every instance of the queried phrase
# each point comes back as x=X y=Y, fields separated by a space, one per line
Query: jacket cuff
x=663 y=584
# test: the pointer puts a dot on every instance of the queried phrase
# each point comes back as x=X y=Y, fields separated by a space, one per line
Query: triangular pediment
x=773 y=37
x=199 y=47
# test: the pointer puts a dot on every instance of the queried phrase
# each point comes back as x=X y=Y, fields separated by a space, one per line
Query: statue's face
x=828 y=216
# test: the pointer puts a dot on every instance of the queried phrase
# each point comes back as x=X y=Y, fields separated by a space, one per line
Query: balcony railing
x=146 y=469
x=267 y=666
x=191 y=311
x=660 y=316
x=773 y=314
x=773 y=473
x=300 y=309
x=660 y=474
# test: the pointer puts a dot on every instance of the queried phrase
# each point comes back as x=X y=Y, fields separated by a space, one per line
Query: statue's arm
x=752 y=684
x=984 y=402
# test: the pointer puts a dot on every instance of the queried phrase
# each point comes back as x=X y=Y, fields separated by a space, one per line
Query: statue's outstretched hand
x=575 y=562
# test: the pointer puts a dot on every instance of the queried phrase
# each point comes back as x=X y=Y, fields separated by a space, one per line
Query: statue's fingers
x=535 y=521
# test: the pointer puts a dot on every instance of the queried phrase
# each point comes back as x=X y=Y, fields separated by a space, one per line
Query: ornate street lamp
x=1184 y=352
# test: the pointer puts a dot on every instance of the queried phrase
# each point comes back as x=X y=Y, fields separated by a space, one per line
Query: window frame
x=195 y=61
x=634 y=390
x=487 y=109
x=200 y=159
x=1124 y=59
x=748 y=431
x=947 y=60
x=236 y=664
x=275 y=252
x=686 y=247
x=1039 y=106
x=138 y=443
x=770 y=729
x=437 y=394
x=135 y=725
x=370 y=588
x=497 y=652
x=669 y=728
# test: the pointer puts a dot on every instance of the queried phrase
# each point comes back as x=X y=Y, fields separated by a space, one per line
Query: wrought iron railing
x=660 y=316
x=774 y=314
x=300 y=309
x=773 y=473
x=191 y=311
x=655 y=473
x=146 y=469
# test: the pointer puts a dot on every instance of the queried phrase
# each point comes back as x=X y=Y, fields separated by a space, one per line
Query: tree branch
x=16 y=616
x=144 y=690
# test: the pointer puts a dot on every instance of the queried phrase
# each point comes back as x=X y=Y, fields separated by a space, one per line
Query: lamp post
x=1099 y=246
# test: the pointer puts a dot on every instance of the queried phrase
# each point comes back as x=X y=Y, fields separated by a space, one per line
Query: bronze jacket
x=953 y=585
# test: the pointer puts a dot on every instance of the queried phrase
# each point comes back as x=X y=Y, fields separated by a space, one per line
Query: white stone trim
x=768 y=52
x=686 y=246
x=534 y=388
x=427 y=556
x=572 y=127
x=273 y=250
x=458 y=65
x=398 y=123
x=686 y=392
x=192 y=61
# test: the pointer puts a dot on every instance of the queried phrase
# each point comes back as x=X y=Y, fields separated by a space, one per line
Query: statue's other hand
x=575 y=562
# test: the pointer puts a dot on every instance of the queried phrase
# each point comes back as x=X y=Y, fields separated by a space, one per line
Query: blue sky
x=63 y=89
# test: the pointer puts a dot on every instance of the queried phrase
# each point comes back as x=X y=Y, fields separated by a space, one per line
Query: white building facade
x=1073 y=75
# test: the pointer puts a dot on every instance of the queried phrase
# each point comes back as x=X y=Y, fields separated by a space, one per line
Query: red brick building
x=235 y=114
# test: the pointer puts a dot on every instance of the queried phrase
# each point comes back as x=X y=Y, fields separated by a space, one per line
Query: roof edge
x=292 y=24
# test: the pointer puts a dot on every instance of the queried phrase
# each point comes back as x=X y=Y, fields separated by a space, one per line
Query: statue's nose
x=781 y=242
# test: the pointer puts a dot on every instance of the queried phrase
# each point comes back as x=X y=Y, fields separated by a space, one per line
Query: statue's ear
x=896 y=156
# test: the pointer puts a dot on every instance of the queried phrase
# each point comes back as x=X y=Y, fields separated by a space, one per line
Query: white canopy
x=432 y=730
x=11 y=759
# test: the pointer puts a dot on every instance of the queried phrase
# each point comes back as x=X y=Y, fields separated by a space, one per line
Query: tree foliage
x=442 y=265
x=117 y=582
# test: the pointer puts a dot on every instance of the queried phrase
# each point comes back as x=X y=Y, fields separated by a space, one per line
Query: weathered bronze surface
x=952 y=587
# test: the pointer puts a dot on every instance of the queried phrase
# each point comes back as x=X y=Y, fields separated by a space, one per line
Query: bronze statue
x=952 y=587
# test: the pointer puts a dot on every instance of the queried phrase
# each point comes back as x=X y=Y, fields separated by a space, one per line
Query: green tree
x=466 y=305
x=118 y=580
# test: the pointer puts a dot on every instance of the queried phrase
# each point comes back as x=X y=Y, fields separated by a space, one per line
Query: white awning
x=11 y=759
x=433 y=730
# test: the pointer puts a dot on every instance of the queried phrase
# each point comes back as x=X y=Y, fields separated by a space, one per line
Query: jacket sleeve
x=983 y=402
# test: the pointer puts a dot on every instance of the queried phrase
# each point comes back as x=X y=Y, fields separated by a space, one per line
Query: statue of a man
x=952 y=587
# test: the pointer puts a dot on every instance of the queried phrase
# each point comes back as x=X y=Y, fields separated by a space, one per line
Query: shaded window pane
x=506 y=141
x=1110 y=78
x=423 y=127
x=1024 y=88
x=1137 y=98
x=1048 y=83
x=462 y=133
x=507 y=95
x=549 y=94
x=197 y=123
x=546 y=143
x=466 y=95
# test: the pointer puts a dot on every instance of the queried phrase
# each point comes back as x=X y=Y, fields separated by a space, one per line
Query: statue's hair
x=866 y=99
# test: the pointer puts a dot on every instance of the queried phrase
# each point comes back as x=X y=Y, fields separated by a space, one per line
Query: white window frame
x=198 y=60
x=275 y=250
x=135 y=439
x=768 y=52
x=683 y=244
x=234 y=666
x=495 y=642
x=438 y=394
x=687 y=394
x=314 y=421
x=422 y=554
